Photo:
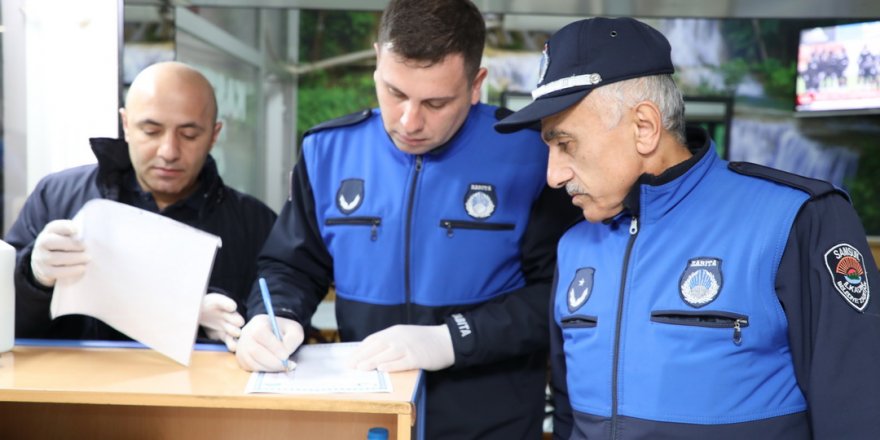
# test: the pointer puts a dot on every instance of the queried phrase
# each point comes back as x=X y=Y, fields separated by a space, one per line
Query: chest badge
x=701 y=281
x=480 y=200
x=545 y=63
x=847 y=268
x=350 y=195
x=580 y=288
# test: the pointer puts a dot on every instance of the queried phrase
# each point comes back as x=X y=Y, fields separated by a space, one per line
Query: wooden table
x=87 y=392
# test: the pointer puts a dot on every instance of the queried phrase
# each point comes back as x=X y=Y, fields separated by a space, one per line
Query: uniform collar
x=653 y=196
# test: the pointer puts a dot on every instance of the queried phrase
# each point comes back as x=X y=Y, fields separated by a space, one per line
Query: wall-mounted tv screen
x=838 y=70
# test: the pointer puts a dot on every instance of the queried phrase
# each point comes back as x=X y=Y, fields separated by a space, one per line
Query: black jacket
x=241 y=221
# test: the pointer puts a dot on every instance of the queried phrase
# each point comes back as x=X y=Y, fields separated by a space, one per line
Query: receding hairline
x=172 y=69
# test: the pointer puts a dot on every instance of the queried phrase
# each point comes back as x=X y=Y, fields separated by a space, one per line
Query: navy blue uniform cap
x=587 y=54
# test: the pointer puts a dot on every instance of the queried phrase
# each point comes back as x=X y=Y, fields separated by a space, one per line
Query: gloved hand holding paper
x=58 y=253
x=146 y=276
x=220 y=320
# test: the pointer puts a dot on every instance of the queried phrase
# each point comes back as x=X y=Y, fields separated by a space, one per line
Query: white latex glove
x=221 y=322
x=58 y=253
x=259 y=349
x=406 y=347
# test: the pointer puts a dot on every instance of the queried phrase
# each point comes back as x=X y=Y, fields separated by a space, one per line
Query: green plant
x=864 y=190
x=733 y=72
x=337 y=91
x=326 y=97
x=326 y=34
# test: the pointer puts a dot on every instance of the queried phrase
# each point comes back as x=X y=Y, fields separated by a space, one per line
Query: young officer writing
x=437 y=231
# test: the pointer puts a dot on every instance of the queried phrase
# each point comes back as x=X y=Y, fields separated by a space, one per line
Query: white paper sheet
x=321 y=369
x=146 y=276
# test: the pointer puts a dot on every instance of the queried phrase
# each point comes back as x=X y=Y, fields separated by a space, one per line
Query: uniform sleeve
x=826 y=275
x=32 y=319
x=562 y=414
x=294 y=260
x=516 y=323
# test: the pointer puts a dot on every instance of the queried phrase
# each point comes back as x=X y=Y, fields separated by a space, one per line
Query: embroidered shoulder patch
x=580 y=288
x=701 y=281
x=350 y=195
x=847 y=268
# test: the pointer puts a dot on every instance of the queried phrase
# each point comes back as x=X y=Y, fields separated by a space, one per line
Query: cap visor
x=537 y=110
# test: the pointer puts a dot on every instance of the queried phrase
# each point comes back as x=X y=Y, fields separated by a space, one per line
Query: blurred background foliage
x=338 y=91
x=763 y=49
x=864 y=189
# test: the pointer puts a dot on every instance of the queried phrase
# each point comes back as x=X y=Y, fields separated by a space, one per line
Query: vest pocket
x=579 y=321
x=710 y=319
x=372 y=222
x=452 y=225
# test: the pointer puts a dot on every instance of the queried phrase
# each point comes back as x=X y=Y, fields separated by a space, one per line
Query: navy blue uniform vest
x=439 y=229
x=672 y=316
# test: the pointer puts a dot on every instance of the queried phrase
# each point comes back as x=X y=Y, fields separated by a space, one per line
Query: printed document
x=321 y=369
x=146 y=276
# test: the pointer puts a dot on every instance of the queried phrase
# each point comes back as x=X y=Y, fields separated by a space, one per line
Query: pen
x=267 y=302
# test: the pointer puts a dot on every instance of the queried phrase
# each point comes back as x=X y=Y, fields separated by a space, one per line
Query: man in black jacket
x=163 y=166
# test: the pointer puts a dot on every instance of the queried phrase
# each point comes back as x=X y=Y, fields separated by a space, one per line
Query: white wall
x=61 y=87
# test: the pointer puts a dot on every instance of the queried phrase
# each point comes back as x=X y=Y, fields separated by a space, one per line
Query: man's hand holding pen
x=260 y=350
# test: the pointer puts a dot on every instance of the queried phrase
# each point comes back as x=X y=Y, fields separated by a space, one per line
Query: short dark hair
x=429 y=30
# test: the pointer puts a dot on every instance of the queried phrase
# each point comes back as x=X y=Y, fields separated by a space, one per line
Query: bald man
x=162 y=166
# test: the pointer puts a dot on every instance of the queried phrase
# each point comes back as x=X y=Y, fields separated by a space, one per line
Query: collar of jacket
x=654 y=195
x=114 y=165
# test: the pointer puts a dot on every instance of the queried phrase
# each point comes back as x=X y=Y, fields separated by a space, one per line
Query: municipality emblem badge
x=580 y=288
x=701 y=281
x=350 y=195
x=480 y=201
x=545 y=62
x=847 y=268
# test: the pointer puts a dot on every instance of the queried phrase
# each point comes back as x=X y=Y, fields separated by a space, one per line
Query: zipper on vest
x=633 y=233
x=451 y=225
x=704 y=319
x=737 y=330
x=407 y=264
x=373 y=222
